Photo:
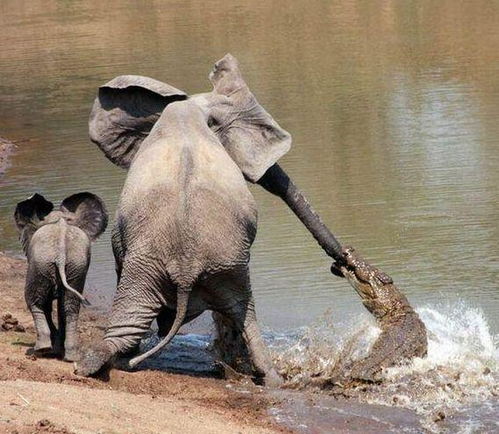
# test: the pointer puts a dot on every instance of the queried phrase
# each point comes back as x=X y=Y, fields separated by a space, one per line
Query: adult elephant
x=186 y=219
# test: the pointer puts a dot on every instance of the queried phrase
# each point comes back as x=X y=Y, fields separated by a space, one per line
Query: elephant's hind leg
x=37 y=293
x=137 y=303
x=237 y=323
x=118 y=252
x=43 y=344
x=68 y=309
x=54 y=332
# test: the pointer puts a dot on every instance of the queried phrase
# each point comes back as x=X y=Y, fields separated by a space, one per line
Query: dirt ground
x=43 y=395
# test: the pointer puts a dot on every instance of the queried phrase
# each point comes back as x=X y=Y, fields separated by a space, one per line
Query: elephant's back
x=190 y=234
x=176 y=162
x=77 y=246
x=187 y=204
x=181 y=179
x=190 y=231
x=47 y=243
x=44 y=245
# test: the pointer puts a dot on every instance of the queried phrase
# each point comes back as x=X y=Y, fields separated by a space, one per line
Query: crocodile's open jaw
x=370 y=283
x=364 y=289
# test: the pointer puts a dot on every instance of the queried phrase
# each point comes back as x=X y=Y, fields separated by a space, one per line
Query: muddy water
x=393 y=108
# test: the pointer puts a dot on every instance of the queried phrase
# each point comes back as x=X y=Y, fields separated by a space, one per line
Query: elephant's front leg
x=230 y=346
x=137 y=303
x=166 y=318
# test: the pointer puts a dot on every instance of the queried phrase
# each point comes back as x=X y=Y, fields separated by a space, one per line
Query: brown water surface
x=393 y=108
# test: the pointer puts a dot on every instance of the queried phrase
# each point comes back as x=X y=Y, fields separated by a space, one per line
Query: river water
x=393 y=108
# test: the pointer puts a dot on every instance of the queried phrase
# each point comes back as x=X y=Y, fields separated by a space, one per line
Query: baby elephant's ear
x=253 y=139
x=124 y=112
x=32 y=211
x=87 y=211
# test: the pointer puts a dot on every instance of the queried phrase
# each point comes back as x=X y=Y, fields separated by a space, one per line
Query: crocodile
x=403 y=334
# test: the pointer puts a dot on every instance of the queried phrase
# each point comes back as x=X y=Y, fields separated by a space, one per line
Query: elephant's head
x=84 y=210
x=128 y=106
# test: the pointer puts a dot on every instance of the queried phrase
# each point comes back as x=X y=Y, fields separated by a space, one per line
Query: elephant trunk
x=276 y=181
x=182 y=302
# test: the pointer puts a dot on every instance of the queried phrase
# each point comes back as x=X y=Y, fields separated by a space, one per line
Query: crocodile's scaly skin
x=403 y=334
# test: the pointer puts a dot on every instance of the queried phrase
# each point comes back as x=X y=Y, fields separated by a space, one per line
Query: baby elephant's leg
x=68 y=311
x=57 y=343
x=37 y=293
x=43 y=343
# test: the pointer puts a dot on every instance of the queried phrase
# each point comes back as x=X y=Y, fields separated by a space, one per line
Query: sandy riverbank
x=43 y=395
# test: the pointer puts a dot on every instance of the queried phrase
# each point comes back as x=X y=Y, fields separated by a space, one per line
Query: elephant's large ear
x=87 y=211
x=124 y=112
x=31 y=211
x=253 y=139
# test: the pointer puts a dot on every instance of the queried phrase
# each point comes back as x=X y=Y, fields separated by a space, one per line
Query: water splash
x=309 y=354
x=461 y=369
x=459 y=376
x=460 y=372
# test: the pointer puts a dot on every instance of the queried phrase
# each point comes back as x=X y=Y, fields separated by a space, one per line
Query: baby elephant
x=57 y=246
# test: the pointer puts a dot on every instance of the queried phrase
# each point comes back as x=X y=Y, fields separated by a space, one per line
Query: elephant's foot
x=41 y=352
x=43 y=347
x=244 y=353
x=94 y=360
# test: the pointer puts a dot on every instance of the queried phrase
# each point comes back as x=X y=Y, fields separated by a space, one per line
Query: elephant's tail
x=182 y=302
x=60 y=263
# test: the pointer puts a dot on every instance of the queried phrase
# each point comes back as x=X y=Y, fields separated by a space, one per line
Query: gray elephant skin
x=186 y=218
x=57 y=246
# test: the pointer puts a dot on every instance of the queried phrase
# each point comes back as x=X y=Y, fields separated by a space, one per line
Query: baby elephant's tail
x=182 y=302
x=61 y=266
x=60 y=263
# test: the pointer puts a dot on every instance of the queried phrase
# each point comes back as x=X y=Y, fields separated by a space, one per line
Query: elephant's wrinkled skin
x=403 y=334
x=186 y=219
x=57 y=246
